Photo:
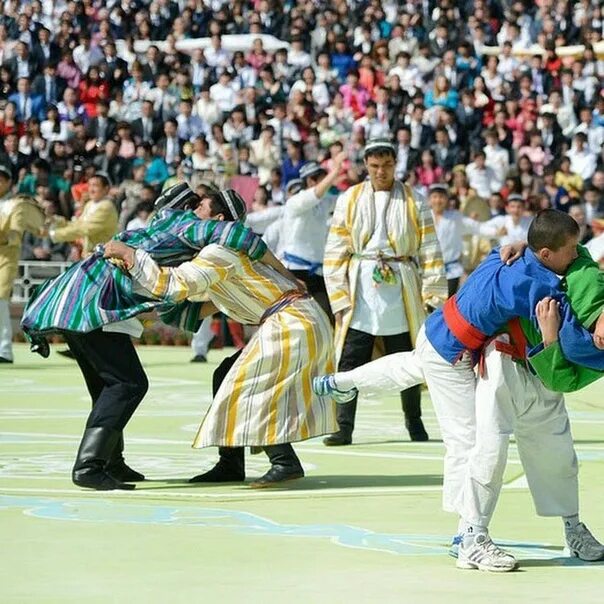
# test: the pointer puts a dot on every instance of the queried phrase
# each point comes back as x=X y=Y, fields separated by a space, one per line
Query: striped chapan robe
x=411 y=234
x=96 y=292
x=266 y=398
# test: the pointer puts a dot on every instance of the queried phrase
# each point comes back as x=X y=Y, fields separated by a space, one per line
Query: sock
x=342 y=382
x=469 y=530
x=570 y=522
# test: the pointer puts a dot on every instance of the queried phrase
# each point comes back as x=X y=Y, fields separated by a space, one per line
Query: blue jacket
x=496 y=293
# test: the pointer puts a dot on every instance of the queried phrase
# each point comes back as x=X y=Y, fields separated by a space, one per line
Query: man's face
x=381 y=171
x=23 y=86
x=204 y=211
x=404 y=138
x=97 y=189
x=438 y=201
x=558 y=261
x=147 y=109
x=515 y=209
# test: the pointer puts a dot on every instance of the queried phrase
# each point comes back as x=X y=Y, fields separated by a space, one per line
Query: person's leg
x=116 y=464
x=317 y=289
x=411 y=398
x=6 y=333
x=111 y=356
x=545 y=446
x=496 y=391
x=358 y=347
x=451 y=390
x=388 y=374
x=285 y=466
x=231 y=462
x=200 y=342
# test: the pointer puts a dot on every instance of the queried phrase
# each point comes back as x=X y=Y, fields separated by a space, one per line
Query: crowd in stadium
x=77 y=97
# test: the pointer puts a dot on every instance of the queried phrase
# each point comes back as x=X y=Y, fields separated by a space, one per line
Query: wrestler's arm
x=172 y=284
x=547 y=360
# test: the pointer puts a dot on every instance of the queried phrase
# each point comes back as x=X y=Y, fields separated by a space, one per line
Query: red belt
x=471 y=337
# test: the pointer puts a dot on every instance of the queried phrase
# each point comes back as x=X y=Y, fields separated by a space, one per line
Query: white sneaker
x=480 y=552
x=582 y=544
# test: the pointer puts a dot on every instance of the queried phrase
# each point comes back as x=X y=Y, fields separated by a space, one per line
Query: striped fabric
x=267 y=396
x=411 y=233
x=96 y=292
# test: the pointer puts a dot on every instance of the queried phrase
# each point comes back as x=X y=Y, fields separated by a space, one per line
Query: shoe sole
x=268 y=485
x=575 y=554
x=483 y=567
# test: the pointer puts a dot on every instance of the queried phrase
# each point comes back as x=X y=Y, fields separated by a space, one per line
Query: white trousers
x=6 y=331
x=452 y=392
x=509 y=399
x=200 y=343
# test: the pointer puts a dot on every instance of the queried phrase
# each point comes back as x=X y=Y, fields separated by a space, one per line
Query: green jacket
x=584 y=287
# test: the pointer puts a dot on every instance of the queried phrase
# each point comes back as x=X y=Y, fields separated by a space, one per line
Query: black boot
x=230 y=467
x=95 y=450
x=411 y=402
x=345 y=415
x=118 y=468
x=285 y=466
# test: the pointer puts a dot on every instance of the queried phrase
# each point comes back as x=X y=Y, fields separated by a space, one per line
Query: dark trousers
x=114 y=376
x=358 y=349
x=453 y=286
x=235 y=455
x=316 y=288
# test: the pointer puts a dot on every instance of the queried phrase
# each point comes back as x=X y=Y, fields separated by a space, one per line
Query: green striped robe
x=95 y=292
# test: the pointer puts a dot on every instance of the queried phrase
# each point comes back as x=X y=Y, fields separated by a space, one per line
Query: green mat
x=365 y=525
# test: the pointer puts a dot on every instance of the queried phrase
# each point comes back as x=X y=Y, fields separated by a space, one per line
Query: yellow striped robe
x=266 y=398
x=411 y=233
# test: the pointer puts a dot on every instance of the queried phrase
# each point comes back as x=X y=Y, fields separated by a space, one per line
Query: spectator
x=481 y=177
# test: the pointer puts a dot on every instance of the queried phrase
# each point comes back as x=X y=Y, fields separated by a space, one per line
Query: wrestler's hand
x=510 y=253
x=548 y=317
x=121 y=251
x=599 y=333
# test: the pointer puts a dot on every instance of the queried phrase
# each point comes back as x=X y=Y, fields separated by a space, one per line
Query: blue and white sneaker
x=325 y=385
x=455 y=543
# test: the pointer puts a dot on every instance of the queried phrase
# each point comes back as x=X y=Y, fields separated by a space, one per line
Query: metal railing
x=31 y=274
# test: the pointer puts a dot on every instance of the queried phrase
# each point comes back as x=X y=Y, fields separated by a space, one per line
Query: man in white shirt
x=481 y=177
x=223 y=92
x=306 y=216
x=216 y=56
x=497 y=158
x=370 y=123
x=514 y=226
x=165 y=102
x=297 y=56
x=451 y=226
x=582 y=161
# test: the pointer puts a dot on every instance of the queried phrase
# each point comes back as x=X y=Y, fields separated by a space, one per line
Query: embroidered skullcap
x=437 y=187
x=234 y=203
x=379 y=145
x=294 y=186
x=177 y=197
x=312 y=168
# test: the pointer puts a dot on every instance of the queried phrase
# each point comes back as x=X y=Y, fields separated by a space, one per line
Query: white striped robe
x=266 y=398
x=411 y=234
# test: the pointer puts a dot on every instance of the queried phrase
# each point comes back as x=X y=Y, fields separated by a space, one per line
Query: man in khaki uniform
x=17 y=215
x=96 y=224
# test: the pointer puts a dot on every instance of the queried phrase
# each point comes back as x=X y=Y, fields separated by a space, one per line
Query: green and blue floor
x=365 y=525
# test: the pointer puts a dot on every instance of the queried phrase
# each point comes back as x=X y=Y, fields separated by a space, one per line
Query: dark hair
x=219 y=206
x=104 y=179
x=551 y=229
